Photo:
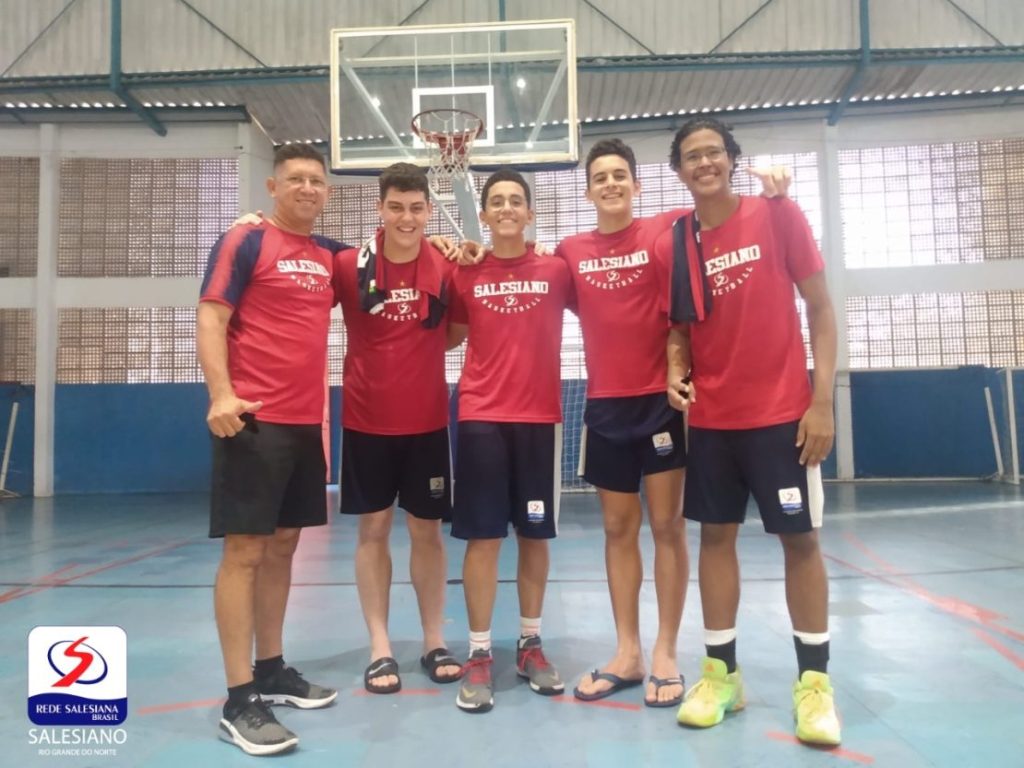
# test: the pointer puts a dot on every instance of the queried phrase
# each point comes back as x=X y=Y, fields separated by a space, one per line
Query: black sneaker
x=288 y=687
x=256 y=731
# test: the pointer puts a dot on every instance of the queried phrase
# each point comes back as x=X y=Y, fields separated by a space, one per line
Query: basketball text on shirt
x=611 y=266
x=510 y=292
x=716 y=267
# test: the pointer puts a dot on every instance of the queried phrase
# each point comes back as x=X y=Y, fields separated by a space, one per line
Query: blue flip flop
x=661 y=682
x=618 y=684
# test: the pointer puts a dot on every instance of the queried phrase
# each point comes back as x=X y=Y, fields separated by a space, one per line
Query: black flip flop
x=378 y=668
x=437 y=658
x=618 y=684
x=661 y=682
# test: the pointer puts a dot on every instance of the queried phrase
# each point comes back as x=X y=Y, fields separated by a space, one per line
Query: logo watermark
x=77 y=690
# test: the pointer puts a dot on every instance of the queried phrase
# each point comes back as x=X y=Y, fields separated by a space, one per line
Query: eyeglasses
x=300 y=181
x=714 y=154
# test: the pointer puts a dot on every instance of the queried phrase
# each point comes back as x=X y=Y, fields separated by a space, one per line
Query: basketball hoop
x=449 y=135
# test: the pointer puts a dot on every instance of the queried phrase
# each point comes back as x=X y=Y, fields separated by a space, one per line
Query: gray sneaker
x=290 y=688
x=476 y=694
x=256 y=731
x=531 y=664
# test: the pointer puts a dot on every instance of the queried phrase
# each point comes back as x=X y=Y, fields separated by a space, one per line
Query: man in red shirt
x=508 y=458
x=757 y=426
x=393 y=292
x=262 y=326
x=631 y=433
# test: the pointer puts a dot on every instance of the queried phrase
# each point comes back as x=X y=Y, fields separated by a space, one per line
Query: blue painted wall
x=921 y=423
x=124 y=438
x=153 y=437
x=19 y=468
x=131 y=438
x=334 y=400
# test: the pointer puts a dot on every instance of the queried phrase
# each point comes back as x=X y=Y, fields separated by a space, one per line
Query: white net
x=1006 y=414
x=574 y=400
x=448 y=135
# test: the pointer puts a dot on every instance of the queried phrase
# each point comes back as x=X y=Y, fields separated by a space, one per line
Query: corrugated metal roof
x=173 y=35
x=297 y=107
x=233 y=52
x=944 y=78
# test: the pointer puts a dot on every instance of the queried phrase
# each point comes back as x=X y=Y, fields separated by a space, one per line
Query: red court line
x=1001 y=649
x=11 y=594
x=953 y=606
x=857 y=757
x=950 y=604
x=403 y=692
x=1018 y=636
x=94 y=571
x=924 y=595
x=599 y=703
x=161 y=708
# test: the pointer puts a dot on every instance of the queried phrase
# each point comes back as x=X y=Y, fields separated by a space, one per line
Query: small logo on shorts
x=436 y=487
x=791 y=501
x=663 y=443
x=535 y=511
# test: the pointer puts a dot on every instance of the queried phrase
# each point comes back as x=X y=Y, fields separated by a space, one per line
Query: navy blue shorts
x=507 y=473
x=415 y=469
x=619 y=465
x=728 y=465
x=268 y=476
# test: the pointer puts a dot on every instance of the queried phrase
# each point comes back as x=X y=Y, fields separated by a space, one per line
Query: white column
x=46 y=308
x=255 y=165
x=835 y=273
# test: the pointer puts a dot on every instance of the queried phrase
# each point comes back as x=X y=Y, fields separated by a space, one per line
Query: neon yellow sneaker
x=815 y=709
x=716 y=693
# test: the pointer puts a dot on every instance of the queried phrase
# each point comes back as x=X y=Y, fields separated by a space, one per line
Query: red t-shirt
x=394 y=380
x=514 y=310
x=279 y=286
x=749 y=364
x=621 y=316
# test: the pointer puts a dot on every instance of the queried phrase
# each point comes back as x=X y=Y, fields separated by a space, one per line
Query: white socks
x=480 y=641
x=529 y=627
x=719 y=636
x=812 y=638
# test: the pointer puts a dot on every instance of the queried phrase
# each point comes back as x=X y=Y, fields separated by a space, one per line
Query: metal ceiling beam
x=802 y=111
x=974 y=21
x=14 y=113
x=618 y=26
x=224 y=34
x=862 y=66
x=38 y=37
x=741 y=25
x=591 y=127
x=1012 y=55
x=116 y=85
x=591 y=64
x=402 y=23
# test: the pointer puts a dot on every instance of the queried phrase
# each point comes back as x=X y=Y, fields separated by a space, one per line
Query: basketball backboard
x=518 y=77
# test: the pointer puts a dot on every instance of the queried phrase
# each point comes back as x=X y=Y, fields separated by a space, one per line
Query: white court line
x=987 y=506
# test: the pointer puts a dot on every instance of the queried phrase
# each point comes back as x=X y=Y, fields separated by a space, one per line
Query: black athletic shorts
x=728 y=465
x=415 y=469
x=507 y=473
x=617 y=463
x=268 y=476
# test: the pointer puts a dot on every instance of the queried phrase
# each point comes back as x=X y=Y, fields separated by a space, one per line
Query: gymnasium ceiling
x=266 y=60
